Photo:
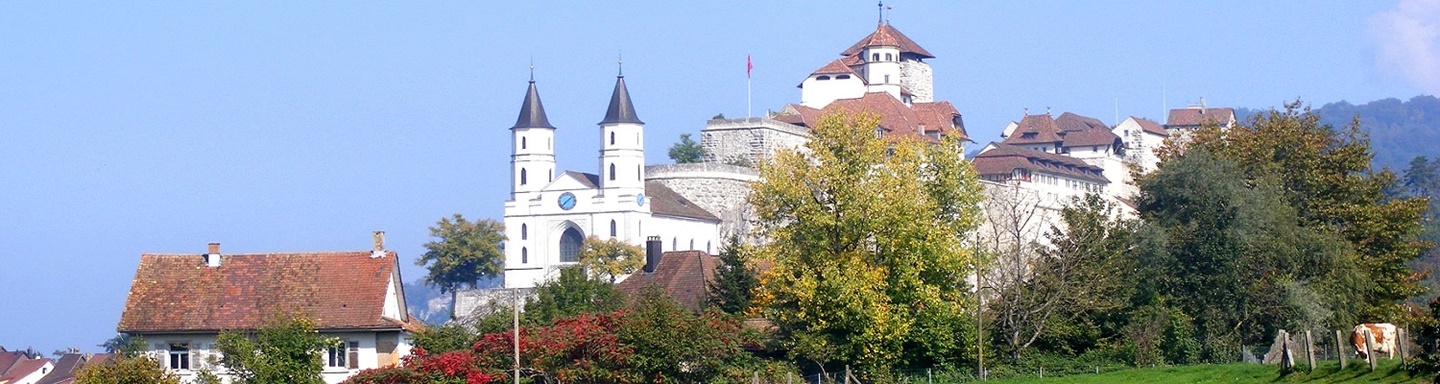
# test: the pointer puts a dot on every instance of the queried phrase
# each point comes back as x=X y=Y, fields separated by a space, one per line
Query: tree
x=1014 y=223
x=609 y=258
x=124 y=344
x=866 y=265
x=732 y=290
x=286 y=350
x=463 y=252
x=686 y=150
x=1087 y=267
x=569 y=295
x=673 y=345
x=1324 y=174
x=133 y=369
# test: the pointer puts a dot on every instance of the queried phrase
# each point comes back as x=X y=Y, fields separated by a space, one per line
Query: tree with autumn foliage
x=864 y=247
x=609 y=258
x=1324 y=174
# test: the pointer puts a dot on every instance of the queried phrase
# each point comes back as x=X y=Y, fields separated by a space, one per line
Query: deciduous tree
x=609 y=258
x=686 y=150
x=568 y=295
x=864 y=246
x=462 y=252
x=287 y=350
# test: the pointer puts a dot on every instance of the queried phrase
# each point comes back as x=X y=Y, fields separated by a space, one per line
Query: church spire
x=532 y=113
x=621 y=111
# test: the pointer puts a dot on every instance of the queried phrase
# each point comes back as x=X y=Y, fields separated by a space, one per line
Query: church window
x=613 y=228
x=707 y=247
x=524 y=232
x=692 y=244
x=674 y=244
x=612 y=138
x=822 y=77
x=179 y=356
x=842 y=77
x=524 y=255
x=522 y=176
x=552 y=175
x=612 y=171
x=570 y=245
x=522 y=143
x=549 y=144
x=638 y=173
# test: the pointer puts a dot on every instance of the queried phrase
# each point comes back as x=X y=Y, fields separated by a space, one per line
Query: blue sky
x=129 y=128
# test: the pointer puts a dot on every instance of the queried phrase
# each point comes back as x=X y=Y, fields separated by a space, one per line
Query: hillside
x=1399 y=130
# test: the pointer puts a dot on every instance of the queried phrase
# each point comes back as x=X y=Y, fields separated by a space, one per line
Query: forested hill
x=1399 y=130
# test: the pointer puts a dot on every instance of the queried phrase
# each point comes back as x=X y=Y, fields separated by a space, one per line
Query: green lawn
x=1328 y=372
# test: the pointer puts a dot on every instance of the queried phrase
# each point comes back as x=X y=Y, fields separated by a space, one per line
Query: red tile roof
x=1070 y=122
x=896 y=119
x=1034 y=129
x=1090 y=137
x=1005 y=158
x=1151 y=126
x=337 y=290
x=886 y=35
x=684 y=275
x=836 y=68
x=665 y=201
x=22 y=368
x=1198 y=116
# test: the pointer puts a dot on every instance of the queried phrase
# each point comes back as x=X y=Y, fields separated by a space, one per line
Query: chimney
x=212 y=258
x=652 y=253
x=378 y=241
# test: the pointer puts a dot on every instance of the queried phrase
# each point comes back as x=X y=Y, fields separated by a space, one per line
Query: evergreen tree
x=732 y=290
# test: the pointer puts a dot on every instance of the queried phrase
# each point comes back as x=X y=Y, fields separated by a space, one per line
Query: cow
x=1384 y=334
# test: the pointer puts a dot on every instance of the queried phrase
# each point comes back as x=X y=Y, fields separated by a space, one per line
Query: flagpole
x=748 y=66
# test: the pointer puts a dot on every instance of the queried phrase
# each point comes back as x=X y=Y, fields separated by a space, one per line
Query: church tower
x=532 y=164
x=622 y=146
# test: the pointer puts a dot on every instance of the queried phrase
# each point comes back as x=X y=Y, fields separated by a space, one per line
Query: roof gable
x=337 y=290
x=1035 y=129
x=1200 y=116
x=886 y=35
x=572 y=180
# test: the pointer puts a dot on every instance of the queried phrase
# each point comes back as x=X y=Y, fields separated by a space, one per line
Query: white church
x=548 y=215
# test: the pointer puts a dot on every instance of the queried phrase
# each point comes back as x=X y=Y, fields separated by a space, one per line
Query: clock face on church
x=640 y=199
x=566 y=201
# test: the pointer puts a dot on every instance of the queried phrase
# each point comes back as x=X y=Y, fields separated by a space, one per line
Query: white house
x=179 y=303
x=549 y=215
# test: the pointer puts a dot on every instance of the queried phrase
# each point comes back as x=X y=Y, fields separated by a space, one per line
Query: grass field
x=1327 y=372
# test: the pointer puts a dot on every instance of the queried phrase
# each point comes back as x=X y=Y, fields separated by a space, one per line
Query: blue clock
x=567 y=201
x=640 y=199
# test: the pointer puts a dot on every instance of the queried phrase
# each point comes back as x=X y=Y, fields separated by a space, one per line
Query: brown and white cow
x=1384 y=334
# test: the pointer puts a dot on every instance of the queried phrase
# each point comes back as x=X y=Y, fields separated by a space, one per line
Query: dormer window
x=842 y=77
x=822 y=77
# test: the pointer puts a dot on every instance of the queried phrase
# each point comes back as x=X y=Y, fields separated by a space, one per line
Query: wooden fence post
x=1370 y=349
x=1340 y=348
x=1310 y=349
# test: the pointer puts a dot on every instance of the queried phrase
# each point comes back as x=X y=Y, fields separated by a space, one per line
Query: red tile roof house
x=23 y=368
x=180 y=303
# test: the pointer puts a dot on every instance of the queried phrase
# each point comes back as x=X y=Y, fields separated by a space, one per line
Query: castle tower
x=532 y=140
x=891 y=62
x=622 y=146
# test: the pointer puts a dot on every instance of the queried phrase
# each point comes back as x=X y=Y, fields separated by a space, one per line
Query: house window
x=180 y=356
x=612 y=228
x=343 y=355
x=570 y=245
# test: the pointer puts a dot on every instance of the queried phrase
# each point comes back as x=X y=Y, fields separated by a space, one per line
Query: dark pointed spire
x=532 y=113
x=621 y=111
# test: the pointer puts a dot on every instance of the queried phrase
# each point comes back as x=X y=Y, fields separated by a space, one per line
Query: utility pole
x=515 y=297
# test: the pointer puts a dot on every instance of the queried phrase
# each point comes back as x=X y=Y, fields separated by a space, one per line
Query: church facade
x=550 y=213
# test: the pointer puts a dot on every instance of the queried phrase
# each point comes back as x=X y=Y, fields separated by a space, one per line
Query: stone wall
x=749 y=141
x=919 y=79
x=719 y=188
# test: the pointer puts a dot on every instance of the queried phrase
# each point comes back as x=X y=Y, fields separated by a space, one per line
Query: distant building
x=1193 y=117
x=179 y=303
x=684 y=276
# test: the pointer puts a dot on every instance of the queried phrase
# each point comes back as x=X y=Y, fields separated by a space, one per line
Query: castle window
x=570 y=245
x=842 y=77
x=612 y=138
x=888 y=57
x=612 y=228
x=522 y=176
x=524 y=255
x=612 y=171
x=887 y=79
x=522 y=143
x=875 y=57
x=524 y=232
x=822 y=77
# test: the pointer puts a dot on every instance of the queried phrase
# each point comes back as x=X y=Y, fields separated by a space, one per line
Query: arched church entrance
x=570 y=245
